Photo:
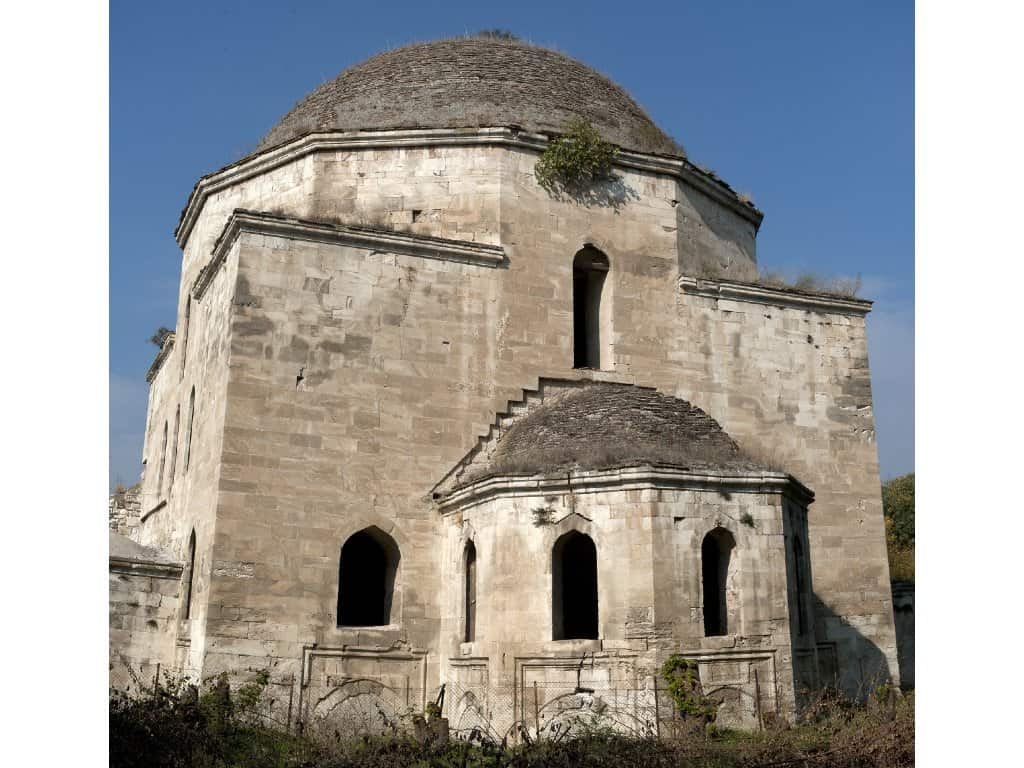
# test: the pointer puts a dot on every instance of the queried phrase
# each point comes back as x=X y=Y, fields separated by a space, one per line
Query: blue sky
x=806 y=106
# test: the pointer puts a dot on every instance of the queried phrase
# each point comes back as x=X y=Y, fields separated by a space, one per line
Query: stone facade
x=144 y=611
x=355 y=311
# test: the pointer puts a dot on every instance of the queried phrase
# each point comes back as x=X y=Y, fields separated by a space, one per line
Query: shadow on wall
x=847 y=660
x=729 y=251
x=613 y=193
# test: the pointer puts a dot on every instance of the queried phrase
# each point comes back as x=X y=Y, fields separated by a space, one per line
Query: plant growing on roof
x=576 y=159
x=160 y=336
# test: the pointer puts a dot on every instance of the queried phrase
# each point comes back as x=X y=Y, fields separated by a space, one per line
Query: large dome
x=472 y=82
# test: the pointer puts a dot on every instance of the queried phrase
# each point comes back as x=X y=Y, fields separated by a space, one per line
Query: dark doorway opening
x=366 y=579
x=574 y=587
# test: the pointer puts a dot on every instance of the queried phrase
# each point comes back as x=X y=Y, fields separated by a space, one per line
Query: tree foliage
x=898 y=507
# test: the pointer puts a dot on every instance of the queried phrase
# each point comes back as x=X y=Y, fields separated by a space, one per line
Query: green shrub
x=575 y=160
x=684 y=687
x=178 y=726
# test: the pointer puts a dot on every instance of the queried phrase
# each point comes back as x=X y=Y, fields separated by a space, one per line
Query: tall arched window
x=589 y=317
x=190 y=576
x=798 y=567
x=184 y=335
x=470 y=589
x=163 y=461
x=715 y=557
x=188 y=426
x=174 y=451
x=574 y=587
x=366 y=579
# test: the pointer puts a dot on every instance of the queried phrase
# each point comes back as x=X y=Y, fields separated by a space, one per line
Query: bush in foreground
x=177 y=726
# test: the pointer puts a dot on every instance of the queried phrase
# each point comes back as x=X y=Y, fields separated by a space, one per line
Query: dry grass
x=805 y=281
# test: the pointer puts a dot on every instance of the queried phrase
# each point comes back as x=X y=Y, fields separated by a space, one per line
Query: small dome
x=601 y=425
x=473 y=82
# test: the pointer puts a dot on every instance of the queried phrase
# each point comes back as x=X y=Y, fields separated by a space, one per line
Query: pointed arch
x=367 y=569
x=188 y=428
x=187 y=322
x=174 y=451
x=190 y=574
x=163 y=461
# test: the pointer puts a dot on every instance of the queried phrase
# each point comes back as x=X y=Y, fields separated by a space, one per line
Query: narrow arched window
x=188 y=427
x=184 y=335
x=163 y=461
x=191 y=575
x=174 y=451
x=574 y=587
x=801 y=582
x=589 y=317
x=470 y=588
x=716 y=553
x=366 y=579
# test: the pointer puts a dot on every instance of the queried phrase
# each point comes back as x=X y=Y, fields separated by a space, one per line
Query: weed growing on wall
x=575 y=160
x=684 y=687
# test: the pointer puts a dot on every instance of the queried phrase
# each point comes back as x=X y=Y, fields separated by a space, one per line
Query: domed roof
x=602 y=425
x=473 y=82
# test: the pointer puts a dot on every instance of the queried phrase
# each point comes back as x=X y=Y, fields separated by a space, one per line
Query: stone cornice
x=424 y=246
x=256 y=164
x=760 y=294
x=626 y=478
x=158 y=361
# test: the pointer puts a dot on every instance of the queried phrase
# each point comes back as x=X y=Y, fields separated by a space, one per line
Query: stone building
x=424 y=421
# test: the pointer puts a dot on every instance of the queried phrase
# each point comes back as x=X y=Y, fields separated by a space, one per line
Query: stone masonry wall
x=357 y=378
x=648 y=543
x=143 y=611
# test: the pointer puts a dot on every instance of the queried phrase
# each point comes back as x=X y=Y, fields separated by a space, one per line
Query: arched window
x=798 y=567
x=574 y=587
x=715 y=557
x=188 y=427
x=174 y=451
x=366 y=579
x=163 y=460
x=190 y=576
x=470 y=588
x=589 y=317
x=184 y=335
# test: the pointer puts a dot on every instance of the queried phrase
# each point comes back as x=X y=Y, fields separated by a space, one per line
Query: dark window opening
x=470 y=587
x=715 y=553
x=184 y=336
x=188 y=428
x=174 y=451
x=574 y=588
x=190 y=578
x=366 y=579
x=589 y=269
x=163 y=460
x=798 y=561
